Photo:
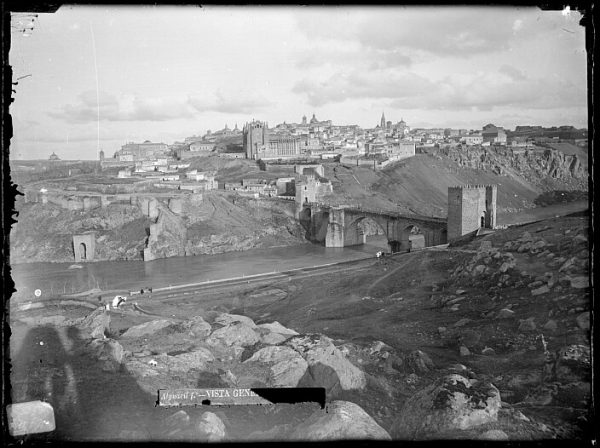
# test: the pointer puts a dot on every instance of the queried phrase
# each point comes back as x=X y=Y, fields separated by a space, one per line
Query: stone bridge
x=338 y=226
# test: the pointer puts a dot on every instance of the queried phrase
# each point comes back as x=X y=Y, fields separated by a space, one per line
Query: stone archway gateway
x=84 y=246
x=82 y=251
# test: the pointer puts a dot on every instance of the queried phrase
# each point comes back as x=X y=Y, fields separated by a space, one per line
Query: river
x=61 y=278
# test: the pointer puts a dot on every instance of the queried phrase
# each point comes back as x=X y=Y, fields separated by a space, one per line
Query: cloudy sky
x=102 y=76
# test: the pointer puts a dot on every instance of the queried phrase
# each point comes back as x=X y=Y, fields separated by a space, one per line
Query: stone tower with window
x=471 y=207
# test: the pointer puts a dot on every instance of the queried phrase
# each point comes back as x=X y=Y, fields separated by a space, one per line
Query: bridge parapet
x=378 y=211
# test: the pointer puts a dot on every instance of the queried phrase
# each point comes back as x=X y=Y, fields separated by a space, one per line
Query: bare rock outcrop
x=451 y=403
x=286 y=365
x=97 y=323
x=108 y=351
x=327 y=366
x=147 y=328
x=343 y=420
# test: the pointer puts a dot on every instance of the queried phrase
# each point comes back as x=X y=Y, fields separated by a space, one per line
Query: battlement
x=472 y=187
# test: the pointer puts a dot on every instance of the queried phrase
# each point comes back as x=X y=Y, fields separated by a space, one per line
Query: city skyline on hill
x=102 y=76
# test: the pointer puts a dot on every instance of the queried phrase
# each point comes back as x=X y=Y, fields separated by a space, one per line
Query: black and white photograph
x=298 y=224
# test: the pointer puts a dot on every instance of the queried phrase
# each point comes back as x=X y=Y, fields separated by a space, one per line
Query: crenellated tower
x=255 y=138
x=471 y=207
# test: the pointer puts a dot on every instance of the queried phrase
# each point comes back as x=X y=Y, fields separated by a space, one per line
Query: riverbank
x=55 y=279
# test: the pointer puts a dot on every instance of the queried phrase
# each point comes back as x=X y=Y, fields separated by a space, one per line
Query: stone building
x=471 y=207
x=493 y=134
x=259 y=143
x=312 y=188
x=202 y=147
x=133 y=152
x=255 y=139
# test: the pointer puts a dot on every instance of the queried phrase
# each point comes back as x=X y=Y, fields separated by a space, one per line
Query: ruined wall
x=318 y=168
x=168 y=235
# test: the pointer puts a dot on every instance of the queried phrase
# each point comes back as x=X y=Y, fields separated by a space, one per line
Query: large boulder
x=419 y=362
x=274 y=338
x=451 y=403
x=287 y=367
x=109 y=352
x=238 y=333
x=228 y=319
x=210 y=427
x=327 y=366
x=97 y=323
x=276 y=327
x=583 y=321
x=573 y=363
x=147 y=328
x=199 y=327
x=343 y=420
x=197 y=359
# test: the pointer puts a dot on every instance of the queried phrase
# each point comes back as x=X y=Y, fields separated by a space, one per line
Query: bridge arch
x=356 y=232
x=339 y=226
x=411 y=238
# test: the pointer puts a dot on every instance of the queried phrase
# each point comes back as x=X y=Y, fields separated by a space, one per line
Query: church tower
x=255 y=138
x=382 y=125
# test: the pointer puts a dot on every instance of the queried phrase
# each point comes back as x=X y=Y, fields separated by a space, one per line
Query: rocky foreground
x=489 y=339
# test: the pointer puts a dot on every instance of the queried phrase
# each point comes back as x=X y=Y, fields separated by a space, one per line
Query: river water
x=60 y=278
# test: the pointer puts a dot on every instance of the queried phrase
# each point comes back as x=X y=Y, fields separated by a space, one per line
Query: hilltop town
x=471 y=321
x=164 y=194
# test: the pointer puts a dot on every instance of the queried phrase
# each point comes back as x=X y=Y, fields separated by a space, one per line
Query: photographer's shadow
x=90 y=403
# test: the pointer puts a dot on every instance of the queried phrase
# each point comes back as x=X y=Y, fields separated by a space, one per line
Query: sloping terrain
x=570 y=149
x=420 y=184
x=486 y=340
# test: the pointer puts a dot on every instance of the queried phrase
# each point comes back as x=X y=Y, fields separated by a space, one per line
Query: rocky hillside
x=44 y=232
x=489 y=339
x=224 y=223
x=216 y=224
x=420 y=184
x=548 y=168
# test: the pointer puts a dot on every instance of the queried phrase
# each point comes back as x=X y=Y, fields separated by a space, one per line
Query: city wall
x=82 y=202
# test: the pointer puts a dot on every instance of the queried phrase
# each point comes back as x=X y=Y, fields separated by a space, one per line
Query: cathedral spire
x=382 y=120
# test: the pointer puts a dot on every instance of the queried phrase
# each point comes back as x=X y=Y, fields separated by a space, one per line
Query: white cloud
x=131 y=107
x=474 y=91
x=108 y=107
